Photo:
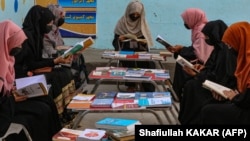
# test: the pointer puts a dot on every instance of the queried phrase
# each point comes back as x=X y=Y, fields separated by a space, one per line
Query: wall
x=163 y=17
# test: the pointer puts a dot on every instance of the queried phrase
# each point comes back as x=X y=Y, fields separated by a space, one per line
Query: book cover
x=135 y=73
x=105 y=95
x=121 y=135
x=155 y=102
x=118 y=71
x=183 y=62
x=81 y=101
x=79 y=104
x=32 y=86
x=143 y=95
x=162 y=75
x=91 y=135
x=102 y=103
x=117 y=123
x=123 y=97
x=66 y=135
x=215 y=87
x=79 y=47
x=162 y=41
x=119 y=105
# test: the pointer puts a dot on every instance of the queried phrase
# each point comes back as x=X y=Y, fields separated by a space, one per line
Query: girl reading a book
x=133 y=22
x=29 y=61
x=194 y=19
x=219 y=68
x=38 y=115
x=237 y=111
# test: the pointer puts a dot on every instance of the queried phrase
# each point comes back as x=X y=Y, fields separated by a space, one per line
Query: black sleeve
x=187 y=53
x=243 y=99
x=26 y=61
x=116 y=42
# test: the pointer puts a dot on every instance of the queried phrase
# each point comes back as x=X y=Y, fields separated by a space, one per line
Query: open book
x=215 y=87
x=32 y=86
x=183 y=62
x=79 y=47
x=133 y=37
x=162 y=41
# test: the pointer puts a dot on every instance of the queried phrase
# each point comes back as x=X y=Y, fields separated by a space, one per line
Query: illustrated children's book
x=32 y=86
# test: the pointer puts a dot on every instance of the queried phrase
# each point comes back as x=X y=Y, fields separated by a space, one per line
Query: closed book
x=91 y=135
x=153 y=99
x=105 y=95
x=117 y=123
x=102 y=103
x=123 y=97
x=66 y=135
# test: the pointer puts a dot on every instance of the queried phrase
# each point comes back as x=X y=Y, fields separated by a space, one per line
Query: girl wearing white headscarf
x=134 y=22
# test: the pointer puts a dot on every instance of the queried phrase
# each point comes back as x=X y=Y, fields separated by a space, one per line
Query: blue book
x=105 y=95
x=117 y=123
x=102 y=103
x=126 y=52
x=155 y=102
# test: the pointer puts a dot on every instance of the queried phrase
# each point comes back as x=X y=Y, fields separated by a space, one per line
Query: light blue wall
x=163 y=17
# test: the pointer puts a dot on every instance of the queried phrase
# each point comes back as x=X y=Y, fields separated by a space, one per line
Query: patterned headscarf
x=196 y=19
x=237 y=36
x=11 y=36
x=139 y=28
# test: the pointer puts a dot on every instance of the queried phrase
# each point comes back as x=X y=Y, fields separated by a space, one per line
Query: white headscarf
x=139 y=27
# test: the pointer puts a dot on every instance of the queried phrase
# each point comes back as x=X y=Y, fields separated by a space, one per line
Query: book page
x=215 y=87
x=183 y=62
x=32 y=86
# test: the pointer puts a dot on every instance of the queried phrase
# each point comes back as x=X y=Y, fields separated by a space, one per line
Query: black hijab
x=34 y=26
x=215 y=30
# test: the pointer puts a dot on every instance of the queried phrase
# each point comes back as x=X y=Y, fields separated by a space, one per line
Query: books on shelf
x=183 y=62
x=66 y=134
x=210 y=85
x=122 y=124
x=133 y=37
x=32 y=86
x=162 y=41
x=91 y=135
x=81 y=101
x=79 y=47
x=153 y=99
x=103 y=100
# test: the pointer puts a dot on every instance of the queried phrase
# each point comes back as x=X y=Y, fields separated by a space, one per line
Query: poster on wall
x=80 y=17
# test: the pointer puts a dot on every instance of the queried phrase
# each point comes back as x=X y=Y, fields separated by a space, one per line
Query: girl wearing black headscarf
x=219 y=68
x=29 y=61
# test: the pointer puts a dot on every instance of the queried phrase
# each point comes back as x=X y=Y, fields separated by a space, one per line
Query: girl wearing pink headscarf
x=199 y=51
x=38 y=115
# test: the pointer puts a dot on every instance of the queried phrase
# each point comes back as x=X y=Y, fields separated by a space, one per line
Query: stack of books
x=118 y=127
x=81 y=101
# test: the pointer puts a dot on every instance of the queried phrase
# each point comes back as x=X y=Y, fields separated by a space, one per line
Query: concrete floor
x=93 y=59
